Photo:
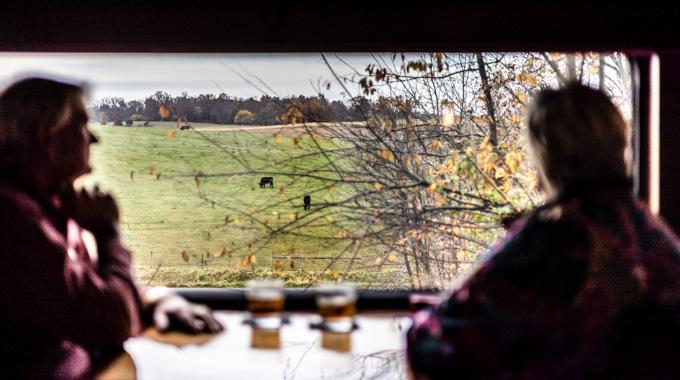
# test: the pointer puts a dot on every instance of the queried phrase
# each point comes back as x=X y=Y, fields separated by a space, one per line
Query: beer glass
x=265 y=303
x=336 y=305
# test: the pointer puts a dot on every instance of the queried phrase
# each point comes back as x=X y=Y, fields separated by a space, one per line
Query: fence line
x=303 y=258
x=334 y=258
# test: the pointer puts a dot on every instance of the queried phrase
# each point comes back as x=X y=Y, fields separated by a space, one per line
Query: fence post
x=303 y=262
x=151 y=258
x=331 y=261
x=201 y=261
x=272 y=262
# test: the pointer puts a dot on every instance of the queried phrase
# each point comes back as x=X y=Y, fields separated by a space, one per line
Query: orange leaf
x=151 y=170
x=185 y=256
x=132 y=178
x=163 y=111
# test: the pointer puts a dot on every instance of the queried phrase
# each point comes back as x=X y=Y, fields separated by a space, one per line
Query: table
x=376 y=352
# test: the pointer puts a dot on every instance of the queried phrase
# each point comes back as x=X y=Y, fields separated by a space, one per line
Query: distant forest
x=225 y=109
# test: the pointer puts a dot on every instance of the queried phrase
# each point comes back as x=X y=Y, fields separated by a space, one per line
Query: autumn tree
x=428 y=180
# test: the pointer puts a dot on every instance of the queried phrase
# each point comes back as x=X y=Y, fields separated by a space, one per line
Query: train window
x=385 y=170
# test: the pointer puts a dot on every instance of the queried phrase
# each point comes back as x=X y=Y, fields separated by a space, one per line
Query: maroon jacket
x=62 y=312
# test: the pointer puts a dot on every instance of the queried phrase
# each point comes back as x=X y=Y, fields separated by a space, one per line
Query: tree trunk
x=493 y=135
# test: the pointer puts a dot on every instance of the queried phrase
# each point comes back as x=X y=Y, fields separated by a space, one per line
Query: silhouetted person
x=586 y=286
x=308 y=201
x=64 y=310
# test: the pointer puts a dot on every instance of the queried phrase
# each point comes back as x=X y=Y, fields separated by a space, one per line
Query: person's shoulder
x=18 y=204
x=550 y=230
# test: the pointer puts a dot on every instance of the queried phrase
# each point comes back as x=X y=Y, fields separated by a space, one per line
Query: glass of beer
x=265 y=303
x=336 y=305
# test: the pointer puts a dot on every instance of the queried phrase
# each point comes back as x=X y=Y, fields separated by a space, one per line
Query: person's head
x=43 y=131
x=577 y=135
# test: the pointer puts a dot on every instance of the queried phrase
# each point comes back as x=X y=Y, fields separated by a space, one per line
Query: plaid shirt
x=587 y=286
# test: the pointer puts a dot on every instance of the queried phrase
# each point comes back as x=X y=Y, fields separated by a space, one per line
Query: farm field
x=185 y=197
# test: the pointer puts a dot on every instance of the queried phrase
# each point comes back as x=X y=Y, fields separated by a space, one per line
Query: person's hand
x=174 y=311
x=94 y=210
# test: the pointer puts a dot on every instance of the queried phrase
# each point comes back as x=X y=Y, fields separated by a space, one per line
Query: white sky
x=137 y=76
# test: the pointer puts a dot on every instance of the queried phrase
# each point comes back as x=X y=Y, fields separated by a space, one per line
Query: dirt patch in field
x=304 y=129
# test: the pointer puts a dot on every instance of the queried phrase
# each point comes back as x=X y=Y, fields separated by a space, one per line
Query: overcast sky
x=137 y=76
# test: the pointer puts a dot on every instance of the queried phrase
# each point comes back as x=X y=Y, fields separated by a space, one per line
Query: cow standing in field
x=308 y=201
x=266 y=180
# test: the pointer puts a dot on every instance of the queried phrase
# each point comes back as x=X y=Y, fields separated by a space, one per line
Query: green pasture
x=175 y=193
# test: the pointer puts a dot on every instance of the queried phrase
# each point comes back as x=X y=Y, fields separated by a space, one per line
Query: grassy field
x=176 y=191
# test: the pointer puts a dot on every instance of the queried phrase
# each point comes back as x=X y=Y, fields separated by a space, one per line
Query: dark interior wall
x=256 y=25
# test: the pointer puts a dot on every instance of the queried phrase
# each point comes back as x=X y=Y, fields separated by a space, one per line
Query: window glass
x=385 y=170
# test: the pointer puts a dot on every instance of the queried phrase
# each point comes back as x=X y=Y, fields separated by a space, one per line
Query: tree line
x=225 y=109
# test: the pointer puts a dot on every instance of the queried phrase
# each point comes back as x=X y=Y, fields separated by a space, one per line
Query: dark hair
x=31 y=111
x=577 y=134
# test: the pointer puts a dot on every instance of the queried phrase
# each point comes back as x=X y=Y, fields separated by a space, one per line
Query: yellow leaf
x=171 y=133
x=392 y=258
x=252 y=209
x=235 y=220
x=378 y=186
x=521 y=98
x=387 y=154
x=330 y=219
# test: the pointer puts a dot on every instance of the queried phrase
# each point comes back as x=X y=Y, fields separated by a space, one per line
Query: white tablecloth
x=377 y=352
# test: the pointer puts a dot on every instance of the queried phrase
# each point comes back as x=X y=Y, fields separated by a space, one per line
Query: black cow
x=308 y=200
x=185 y=127
x=266 y=180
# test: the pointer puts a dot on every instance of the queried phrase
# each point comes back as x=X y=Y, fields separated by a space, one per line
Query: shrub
x=244 y=117
x=118 y=123
x=128 y=123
